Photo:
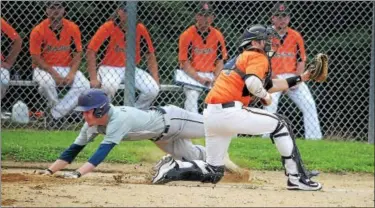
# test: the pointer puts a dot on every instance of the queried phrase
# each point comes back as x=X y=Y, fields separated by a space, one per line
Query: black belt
x=166 y=129
x=224 y=105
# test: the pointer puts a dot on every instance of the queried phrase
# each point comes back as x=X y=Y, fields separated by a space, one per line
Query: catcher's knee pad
x=282 y=128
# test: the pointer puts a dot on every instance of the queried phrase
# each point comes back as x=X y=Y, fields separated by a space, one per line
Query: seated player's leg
x=191 y=102
x=70 y=100
x=47 y=86
x=111 y=78
x=148 y=88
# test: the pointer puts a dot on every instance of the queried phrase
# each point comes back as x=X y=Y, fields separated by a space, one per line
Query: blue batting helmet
x=94 y=99
x=257 y=32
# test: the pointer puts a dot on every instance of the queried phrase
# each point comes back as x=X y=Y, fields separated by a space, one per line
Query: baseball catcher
x=226 y=115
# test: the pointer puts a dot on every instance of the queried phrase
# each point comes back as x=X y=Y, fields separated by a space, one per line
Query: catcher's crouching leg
x=197 y=170
x=298 y=176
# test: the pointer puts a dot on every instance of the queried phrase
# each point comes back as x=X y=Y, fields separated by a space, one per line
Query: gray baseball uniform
x=170 y=125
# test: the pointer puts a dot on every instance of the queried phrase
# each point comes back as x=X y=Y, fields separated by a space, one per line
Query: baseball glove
x=318 y=68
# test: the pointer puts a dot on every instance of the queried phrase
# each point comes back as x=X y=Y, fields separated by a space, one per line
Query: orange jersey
x=290 y=51
x=229 y=86
x=9 y=31
x=116 y=50
x=55 y=49
x=202 y=53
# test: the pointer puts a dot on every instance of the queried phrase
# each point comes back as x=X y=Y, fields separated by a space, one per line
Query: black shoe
x=302 y=183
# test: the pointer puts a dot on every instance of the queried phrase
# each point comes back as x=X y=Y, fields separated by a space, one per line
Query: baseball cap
x=55 y=4
x=205 y=9
x=280 y=9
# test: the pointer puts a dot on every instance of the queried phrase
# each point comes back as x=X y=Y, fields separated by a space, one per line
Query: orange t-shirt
x=9 y=31
x=55 y=51
x=290 y=51
x=229 y=86
x=202 y=53
x=115 y=52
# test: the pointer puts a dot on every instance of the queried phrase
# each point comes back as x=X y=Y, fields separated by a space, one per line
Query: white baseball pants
x=111 y=78
x=302 y=97
x=4 y=77
x=192 y=94
x=222 y=124
x=47 y=87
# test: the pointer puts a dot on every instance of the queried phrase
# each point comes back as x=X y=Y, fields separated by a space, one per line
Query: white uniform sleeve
x=255 y=86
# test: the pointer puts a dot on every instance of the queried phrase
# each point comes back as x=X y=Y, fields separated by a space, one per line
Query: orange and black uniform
x=229 y=86
x=115 y=53
x=202 y=50
x=9 y=31
x=290 y=50
x=55 y=47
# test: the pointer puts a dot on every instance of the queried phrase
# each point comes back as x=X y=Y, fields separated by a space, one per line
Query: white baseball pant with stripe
x=47 y=87
x=222 y=124
x=192 y=93
x=302 y=97
x=111 y=77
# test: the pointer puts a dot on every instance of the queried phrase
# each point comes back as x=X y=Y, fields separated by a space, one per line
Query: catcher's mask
x=260 y=32
x=93 y=99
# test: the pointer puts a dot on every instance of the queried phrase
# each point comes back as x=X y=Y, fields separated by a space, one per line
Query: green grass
x=254 y=153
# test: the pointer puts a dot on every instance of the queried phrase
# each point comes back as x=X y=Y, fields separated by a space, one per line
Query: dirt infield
x=128 y=185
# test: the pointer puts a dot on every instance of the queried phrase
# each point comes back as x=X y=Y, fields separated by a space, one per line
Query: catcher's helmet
x=257 y=32
x=94 y=99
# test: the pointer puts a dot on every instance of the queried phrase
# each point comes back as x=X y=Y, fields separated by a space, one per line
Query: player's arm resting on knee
x=93 y=47
x=91 y=64
x=189 y=70
x=183 y=57
x=222 y=55
x=76 y=50
x=14 y=51
x=255 y=87
x=148 y=49
x=36 y=41
x=153 y=66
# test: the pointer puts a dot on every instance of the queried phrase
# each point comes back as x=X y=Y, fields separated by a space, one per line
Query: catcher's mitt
x=318 y=68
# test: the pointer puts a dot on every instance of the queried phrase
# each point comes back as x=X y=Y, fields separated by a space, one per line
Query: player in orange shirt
x=226 y=115
x=289 y=61
x=112 y=68
x=7 y=63
x=55 y=63
x=202 y=51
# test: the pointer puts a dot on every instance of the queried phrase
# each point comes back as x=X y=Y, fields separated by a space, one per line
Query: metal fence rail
x=343 y=30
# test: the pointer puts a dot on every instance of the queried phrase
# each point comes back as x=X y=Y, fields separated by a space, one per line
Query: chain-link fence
x=343 y=30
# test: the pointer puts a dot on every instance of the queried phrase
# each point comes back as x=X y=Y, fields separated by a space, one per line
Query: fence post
x=371 y=129
x=129 y=91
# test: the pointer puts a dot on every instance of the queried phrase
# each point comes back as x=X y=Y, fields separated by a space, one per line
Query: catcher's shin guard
x=283 y=125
